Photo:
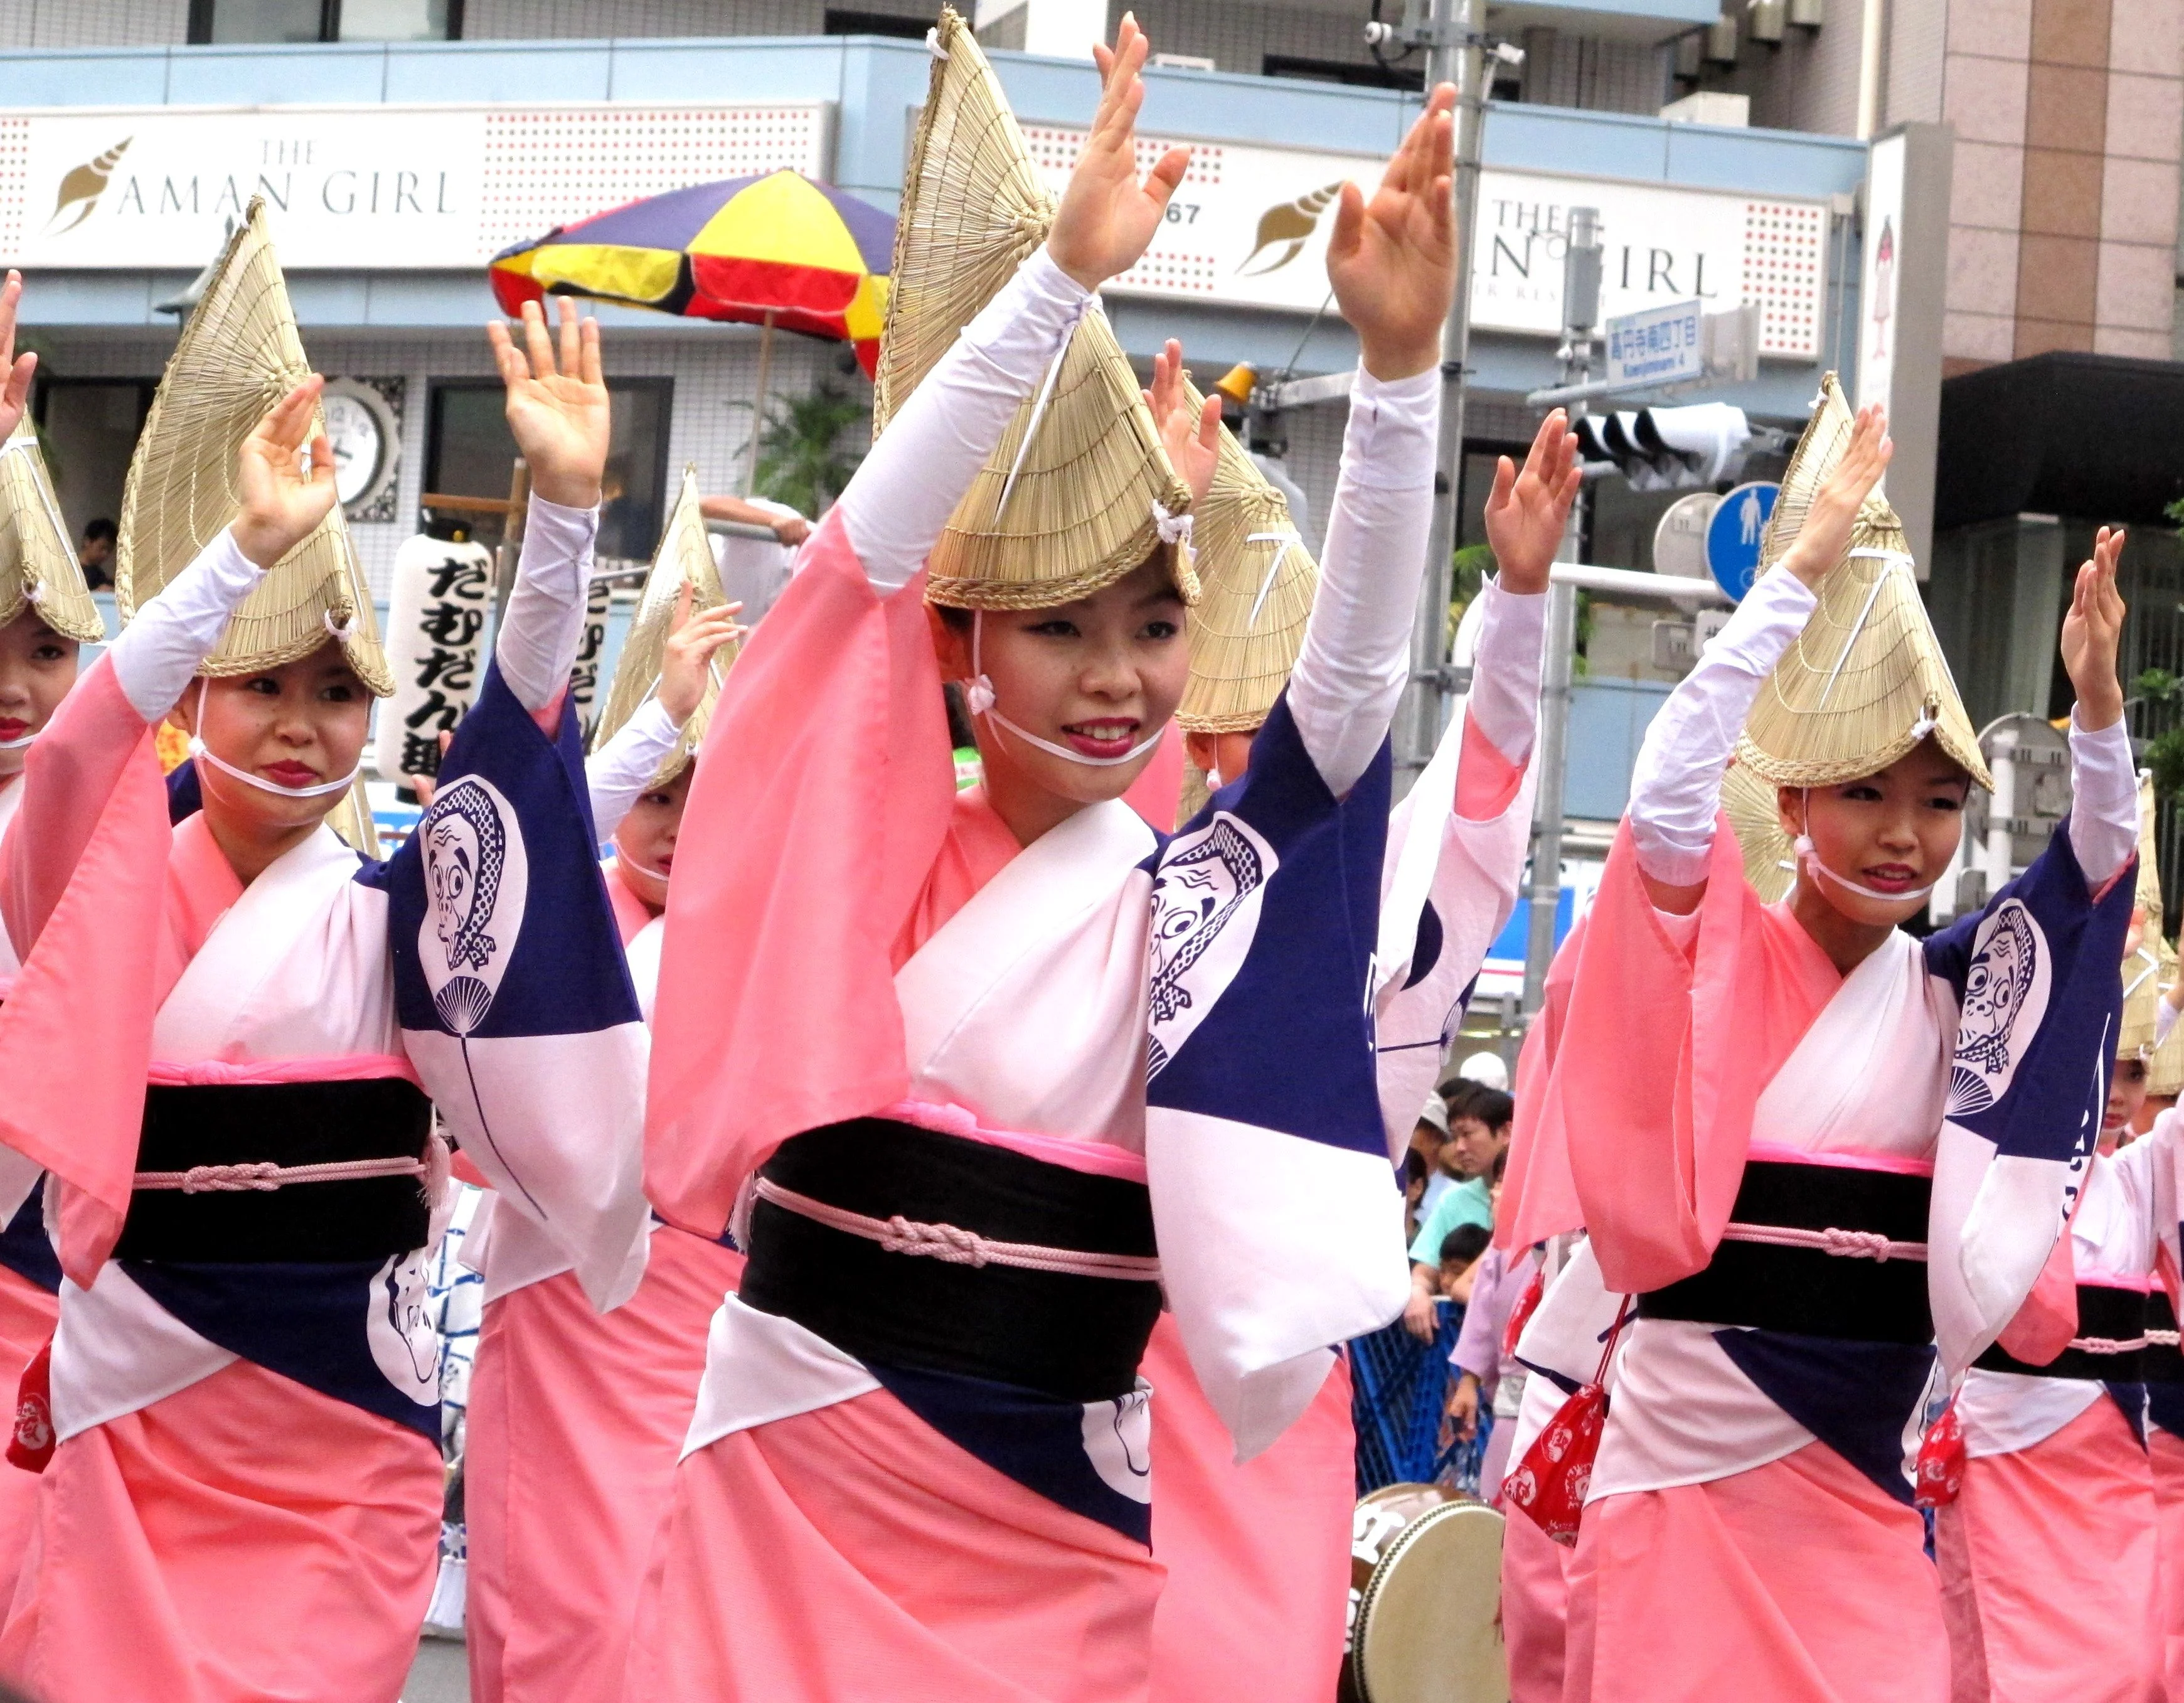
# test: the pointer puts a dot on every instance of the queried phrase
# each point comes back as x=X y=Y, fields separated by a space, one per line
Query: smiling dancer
x=575 y=1417
x=2057 y=1484
x=245 y=1495
x=927 y=1024
x=1258 y=1555
x=1754 y=1101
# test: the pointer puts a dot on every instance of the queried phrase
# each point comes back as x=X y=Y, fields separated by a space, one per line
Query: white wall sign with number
x=1249 y=225
x=362 y=188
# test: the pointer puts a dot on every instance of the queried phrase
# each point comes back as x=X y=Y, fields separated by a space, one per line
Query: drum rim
x=1365 y=1598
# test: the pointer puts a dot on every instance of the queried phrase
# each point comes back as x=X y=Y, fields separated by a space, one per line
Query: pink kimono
x=1746 y=1131
x=963 y=1100
x=576 y=1419
x=2057 y=1483
x=244 y=1491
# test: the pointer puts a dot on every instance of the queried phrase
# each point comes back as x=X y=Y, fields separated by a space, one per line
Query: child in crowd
x=1479 y=1135
x=1460 y=1250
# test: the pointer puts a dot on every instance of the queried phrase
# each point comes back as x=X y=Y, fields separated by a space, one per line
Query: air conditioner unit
x=1766 y=21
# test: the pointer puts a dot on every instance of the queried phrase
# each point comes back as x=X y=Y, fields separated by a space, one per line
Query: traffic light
x=1668 y=448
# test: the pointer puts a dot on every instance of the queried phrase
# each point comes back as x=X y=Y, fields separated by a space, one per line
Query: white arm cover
x=2164 y=1019
x=2103 y=801
x=543 y=624
x=1505 y=674
x=617 y=773
x=158 y=651
x=901 y=495
x=1357 y=651
x=1676 y=785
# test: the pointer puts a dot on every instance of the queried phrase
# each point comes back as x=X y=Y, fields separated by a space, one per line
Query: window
x=1360 y=73
x=326 y=20
x=842 y=22
x=469 y=452
x=91 y=427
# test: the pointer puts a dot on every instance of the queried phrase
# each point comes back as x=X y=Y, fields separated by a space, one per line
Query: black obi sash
x=2105 y=1315
x=1809 y=1291
x=286 y=1123
x=1072 y=1337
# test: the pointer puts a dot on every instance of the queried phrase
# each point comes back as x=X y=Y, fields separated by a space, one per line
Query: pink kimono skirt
x=1257 y=1556
x=27 y=1316
x=1798 y=1581
x=853 y=1552
x=243 y=1540
x=1535 y=1607
x=576 y=1420
x=2049 y=1560
x=2165 y=1454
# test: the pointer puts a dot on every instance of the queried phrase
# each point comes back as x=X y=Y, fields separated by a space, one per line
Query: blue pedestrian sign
x=1733 y=536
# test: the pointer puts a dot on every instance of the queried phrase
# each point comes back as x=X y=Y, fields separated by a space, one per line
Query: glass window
x=396 y=20
x=469 y=452
x=326 y=20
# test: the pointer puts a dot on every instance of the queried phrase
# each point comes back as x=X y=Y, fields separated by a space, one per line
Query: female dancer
x=46 y=612
x=575 y=1417
x=1257 y=1555
x=245 y=1496
x=918 y=1461
x=1757 y=1101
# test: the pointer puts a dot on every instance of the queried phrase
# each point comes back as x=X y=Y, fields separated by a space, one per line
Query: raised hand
x=282 y=503
x=1527 y=512
x=691 y=644
x=2091 y=632
x=1190 y=435
x=556 y=408
x=1825 y=535
x=14 y=371
x=1392 y=259
x=1107 y=217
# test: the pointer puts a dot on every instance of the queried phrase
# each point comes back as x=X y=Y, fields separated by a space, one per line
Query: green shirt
x=1467 y=1203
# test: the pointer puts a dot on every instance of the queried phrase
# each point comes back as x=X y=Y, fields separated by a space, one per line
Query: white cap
x=1485 y=1069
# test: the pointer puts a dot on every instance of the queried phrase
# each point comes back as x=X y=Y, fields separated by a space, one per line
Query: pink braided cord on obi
x=956 y=1247
x=2110 y=1345
x=1842 y=1244
x=264 y=1176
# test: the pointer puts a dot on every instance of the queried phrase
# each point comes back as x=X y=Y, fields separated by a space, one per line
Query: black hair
x=1464 y=1244
x=960 y=734
x=1491 y=1106
x=100 y=529
x=1414 y=1167
x=1500 y=1164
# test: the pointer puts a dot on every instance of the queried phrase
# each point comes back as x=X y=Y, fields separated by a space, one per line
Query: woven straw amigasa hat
x=238 y=356
x=2149 y=967
x=1770 y=859
x=1256 y=579
x=1079 y=491
x=1866 y=681
x=685 y=557
x=38 y=568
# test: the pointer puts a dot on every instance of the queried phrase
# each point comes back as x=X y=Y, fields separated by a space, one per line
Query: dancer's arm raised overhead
x=900 y=498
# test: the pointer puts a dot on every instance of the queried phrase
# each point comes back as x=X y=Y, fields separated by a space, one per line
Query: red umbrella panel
x=776 y=250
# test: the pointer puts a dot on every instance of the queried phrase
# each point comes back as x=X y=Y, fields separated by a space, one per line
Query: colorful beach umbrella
x=776 y=250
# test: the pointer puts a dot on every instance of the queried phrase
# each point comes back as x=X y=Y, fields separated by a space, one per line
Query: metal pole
x=1581 y=310
x=1457 y=56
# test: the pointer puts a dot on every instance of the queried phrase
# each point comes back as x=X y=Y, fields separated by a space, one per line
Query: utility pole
x=1456 y=54
x=1580 y=313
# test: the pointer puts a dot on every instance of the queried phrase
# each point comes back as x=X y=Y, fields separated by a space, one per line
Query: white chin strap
x=203 y=753
x=23 y=743
x=628 y=861
x=1806 y=855
x=978 y=695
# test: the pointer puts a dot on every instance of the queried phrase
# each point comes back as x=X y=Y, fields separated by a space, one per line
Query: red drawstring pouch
x=32 y=1446
x=1549 y=1484
x=1940 y=1462
x=1521 y=1315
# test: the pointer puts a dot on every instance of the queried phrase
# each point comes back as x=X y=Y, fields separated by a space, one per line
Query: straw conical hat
x=1078 y=506
x=352 y=820
x=238 y=356
x=1866 y=680
x=37 y=564
x=1256 y=584
x=685 y=557
x=2145 y=973
x=973 y=209
x=1770 y=862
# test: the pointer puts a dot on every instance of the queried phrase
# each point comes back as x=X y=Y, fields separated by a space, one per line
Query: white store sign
x=1249 y=226
x=376 y=188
